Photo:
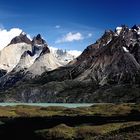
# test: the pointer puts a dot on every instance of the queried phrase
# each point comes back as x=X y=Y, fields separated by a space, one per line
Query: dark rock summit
x=22 y=38
x=38 y=40
x=39 y=44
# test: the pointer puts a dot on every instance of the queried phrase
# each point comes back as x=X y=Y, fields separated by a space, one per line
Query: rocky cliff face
x=22 y=38
x=26 y=59
x=46 y=61
x=111 y=58
x=10 y=55
x=39 y=47
x=106 y=71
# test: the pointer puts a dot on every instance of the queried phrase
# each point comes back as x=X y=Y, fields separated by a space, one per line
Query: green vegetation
x=94 y=110
x=61 y=131
x=97 y=122
x=86 y=132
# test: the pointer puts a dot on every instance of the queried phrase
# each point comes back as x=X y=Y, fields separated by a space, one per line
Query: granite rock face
x=26 y=59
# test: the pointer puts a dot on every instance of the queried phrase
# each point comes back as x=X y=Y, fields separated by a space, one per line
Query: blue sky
x=68 y=24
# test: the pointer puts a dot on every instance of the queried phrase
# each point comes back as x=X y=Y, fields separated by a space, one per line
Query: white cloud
x=57 y=26
x=69 y=37
x=7 y=35
x=90 y=35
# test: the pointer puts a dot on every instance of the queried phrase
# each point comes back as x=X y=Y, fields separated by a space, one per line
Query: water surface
x=69 y=105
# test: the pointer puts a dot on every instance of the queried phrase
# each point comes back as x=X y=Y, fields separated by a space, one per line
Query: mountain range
x=106 y=71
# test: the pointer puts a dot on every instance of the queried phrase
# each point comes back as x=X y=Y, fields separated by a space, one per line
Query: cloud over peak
x=7 y=35
x=70 y=37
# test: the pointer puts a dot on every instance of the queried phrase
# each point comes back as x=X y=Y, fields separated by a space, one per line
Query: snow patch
x=108 y=41
x=138 y=32
x=135 y=30
x=38 y=45
x=118 y=30
x=125 y=49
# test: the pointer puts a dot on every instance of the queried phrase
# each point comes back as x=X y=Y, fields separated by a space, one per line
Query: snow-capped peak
x=65 y=56
x=23 y=33
x=118 y=30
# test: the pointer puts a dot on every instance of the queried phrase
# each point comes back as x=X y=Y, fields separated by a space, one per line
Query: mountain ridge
x=106 y=71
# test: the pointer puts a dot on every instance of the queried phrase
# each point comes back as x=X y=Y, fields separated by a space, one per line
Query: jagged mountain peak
x=38 y=40
x=22 y=38
x=40 y=44
x=136 y=27
x=121 y=29
x=112 y=57
x=38 y=37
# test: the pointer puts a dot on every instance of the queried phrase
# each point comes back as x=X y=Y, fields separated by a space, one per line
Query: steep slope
x=10 y=55
x=25 y=62
x=28 y=57
x=32 y=63
x=106 y=71
x=110 y=59
x=46 y=61
x=113 y=64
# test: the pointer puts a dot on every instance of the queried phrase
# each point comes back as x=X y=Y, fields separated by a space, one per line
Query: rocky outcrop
x=38 y=40
x=110 y=59
x=39 y=47
x=10 y=55
x=32 y=62
x=113 y=64
x=22 y=38
x=45 y=62
x=2 y=72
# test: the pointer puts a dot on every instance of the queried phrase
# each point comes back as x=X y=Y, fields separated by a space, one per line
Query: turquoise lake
x=69 y=105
